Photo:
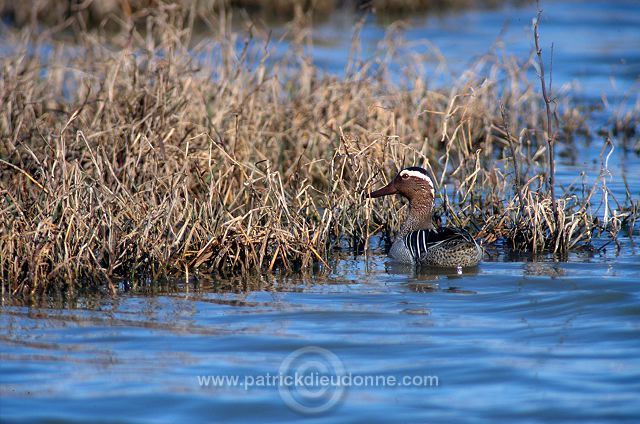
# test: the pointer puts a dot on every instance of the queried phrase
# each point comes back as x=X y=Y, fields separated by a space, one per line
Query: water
x=525 y=341
x=596 y=43
x=520 y=339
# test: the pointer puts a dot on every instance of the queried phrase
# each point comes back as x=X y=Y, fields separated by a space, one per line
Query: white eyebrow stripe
x=416 y=174
x=421 y=176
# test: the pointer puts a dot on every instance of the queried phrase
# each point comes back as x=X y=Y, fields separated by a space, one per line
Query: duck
x=419 y=242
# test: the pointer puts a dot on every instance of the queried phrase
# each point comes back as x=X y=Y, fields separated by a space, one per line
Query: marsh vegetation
x=152 y=153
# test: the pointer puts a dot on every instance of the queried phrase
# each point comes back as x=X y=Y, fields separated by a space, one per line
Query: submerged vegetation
x=145 y=154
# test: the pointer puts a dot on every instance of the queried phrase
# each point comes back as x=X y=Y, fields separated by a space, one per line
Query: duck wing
x=420 y=241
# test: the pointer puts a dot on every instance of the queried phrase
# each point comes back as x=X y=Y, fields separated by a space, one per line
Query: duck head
x=412 y=183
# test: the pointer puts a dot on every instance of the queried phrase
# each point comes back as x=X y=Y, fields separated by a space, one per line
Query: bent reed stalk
x=146 y=154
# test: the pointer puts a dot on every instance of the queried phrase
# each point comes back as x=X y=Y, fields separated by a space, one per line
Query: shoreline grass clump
x=149 y=155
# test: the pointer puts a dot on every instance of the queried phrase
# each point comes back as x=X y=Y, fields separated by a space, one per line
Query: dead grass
x=141 y=156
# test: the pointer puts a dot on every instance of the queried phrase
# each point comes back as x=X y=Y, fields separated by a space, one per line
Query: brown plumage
x=418 y=241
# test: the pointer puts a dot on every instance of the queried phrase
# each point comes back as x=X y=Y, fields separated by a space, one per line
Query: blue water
x=596 y=43
x=526 y=341
x=520 y=339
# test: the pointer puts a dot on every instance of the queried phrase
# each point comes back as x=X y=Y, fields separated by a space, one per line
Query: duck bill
x=384 y=191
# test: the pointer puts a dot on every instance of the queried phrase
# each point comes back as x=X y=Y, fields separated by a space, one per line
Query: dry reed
x=144 y=155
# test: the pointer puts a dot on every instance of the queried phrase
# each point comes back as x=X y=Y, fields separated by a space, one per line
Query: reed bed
x=145 y=155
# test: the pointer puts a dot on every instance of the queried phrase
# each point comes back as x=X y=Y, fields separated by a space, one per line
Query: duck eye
x=404 y=176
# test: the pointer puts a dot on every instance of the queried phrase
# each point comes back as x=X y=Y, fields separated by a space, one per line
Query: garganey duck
x=418 y=241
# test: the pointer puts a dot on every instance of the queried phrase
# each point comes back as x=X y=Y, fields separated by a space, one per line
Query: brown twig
x=26 y=174
x=557 y=234
x=516 y=166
